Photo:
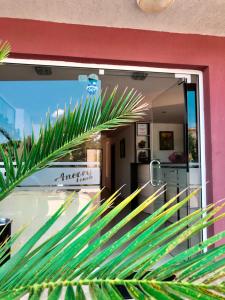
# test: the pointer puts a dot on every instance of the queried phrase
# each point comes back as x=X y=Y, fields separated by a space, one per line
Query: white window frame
x=143 y=69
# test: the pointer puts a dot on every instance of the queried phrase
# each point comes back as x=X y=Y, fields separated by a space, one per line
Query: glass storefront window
x=25 y=98
x=109 y=158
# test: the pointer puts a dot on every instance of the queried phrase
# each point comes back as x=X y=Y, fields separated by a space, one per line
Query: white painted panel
x=163 y=155
x=195 y=176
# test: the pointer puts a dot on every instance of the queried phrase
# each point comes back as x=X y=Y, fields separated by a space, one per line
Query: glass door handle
x=153 y=182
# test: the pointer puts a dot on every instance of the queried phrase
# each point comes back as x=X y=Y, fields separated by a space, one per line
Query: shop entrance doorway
x=162 y=148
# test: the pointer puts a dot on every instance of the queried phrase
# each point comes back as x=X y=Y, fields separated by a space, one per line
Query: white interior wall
x=173 y=97
x=162 y=155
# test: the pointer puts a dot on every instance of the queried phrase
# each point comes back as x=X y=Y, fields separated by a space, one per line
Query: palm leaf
x=4 y=50
x=76 y=126
x=78 y=256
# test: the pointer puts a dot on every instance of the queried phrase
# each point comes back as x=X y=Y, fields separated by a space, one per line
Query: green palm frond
x=4 y=50
x=75 y=127
x=80 y=256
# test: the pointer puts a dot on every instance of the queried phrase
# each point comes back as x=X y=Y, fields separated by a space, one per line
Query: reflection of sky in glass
x=191 y=109
x=30 y=100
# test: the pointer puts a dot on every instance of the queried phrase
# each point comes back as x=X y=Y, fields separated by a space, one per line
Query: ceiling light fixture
x=139 y=75
x=151 y=6
x=43 y=70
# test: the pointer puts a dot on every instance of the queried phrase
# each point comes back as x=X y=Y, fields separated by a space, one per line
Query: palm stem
x=116 y=282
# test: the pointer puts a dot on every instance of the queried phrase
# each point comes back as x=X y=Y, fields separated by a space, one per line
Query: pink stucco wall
x=36 y=39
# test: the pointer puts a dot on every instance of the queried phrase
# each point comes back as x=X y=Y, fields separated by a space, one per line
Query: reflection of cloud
x=58 y=113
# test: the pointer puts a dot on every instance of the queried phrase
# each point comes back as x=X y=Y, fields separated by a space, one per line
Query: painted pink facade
x=46 y=40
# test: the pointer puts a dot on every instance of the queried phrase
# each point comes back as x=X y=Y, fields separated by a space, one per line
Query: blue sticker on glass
x=92 y=86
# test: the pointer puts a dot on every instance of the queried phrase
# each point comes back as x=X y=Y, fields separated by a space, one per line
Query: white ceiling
x=184 y=16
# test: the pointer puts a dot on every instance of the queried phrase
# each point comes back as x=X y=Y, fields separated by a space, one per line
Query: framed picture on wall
x=122 y=148
x=142 y=128
x=166 y=140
